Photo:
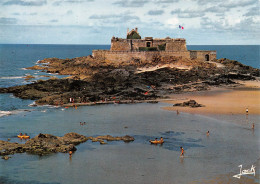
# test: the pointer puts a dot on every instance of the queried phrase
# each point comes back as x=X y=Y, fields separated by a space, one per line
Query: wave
x=51 y=106
x=32 y=104
x=14 y=77
x=38 y=62
x=7 y=113
x=24 y=69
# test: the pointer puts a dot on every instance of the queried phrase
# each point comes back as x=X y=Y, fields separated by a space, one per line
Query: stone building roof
x=133 y=34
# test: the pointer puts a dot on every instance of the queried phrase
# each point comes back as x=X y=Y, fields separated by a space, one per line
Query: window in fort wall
x=206 y=57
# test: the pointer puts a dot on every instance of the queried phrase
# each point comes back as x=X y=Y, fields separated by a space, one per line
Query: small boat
x=23 y=136
x=156 y=142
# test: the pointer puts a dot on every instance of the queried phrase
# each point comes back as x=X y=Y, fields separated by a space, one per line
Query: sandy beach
x=226 y=101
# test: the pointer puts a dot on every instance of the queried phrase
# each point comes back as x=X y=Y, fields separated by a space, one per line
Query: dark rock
x=190 y=103
x=5 y=157
x=101 y=139
x=44 y=144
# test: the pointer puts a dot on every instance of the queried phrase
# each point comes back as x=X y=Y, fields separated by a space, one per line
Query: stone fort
x=133 y=47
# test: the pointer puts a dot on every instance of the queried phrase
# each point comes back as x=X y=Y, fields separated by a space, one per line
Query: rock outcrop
x=43 y=144
x=102 y=139
x=190 y=103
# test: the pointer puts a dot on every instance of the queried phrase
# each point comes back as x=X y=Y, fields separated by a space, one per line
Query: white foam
x=14 y=77
x=24 y=69
x=5 y=113
x=51 y=106
x=32 y=104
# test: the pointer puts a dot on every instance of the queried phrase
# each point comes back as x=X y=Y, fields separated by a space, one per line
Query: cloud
x=103 y=16
x=215 y=9
x=131 y=3
x=54 y=20
x=8 y=21
x=172 y=22
x=155 y=12
x=188 y=13
x=127 y=18
x=234 y=4
x=26 y=3
x=205 y=2
x=165 y=1
x=115 y=18
x=69 y=12
x=228 y=25
x=207 y=23
x=254 y=11
x=60 y=2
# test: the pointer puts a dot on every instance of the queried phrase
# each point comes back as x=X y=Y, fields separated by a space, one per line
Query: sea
x=206 y=158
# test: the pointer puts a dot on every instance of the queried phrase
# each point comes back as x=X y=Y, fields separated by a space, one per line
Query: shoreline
x=221 y=101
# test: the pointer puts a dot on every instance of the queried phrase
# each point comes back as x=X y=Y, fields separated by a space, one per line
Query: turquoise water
x=228 y=146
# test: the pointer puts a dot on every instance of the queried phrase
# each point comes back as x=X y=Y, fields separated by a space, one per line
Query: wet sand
x=223 y=101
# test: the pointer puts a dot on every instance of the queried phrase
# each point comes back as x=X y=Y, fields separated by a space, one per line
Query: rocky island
x=91 y=81
x=133 y=70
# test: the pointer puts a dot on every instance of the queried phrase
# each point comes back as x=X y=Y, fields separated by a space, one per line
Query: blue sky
x=205 y=22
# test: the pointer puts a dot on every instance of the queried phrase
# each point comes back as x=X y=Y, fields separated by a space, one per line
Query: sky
x=205 y=22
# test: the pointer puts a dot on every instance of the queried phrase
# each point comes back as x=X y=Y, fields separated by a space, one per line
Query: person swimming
x=161 y=139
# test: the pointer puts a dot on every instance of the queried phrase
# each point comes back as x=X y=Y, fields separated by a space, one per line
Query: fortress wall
x=176 y=45
x=156 y=43
x=120 y=45
x=138 y=43
x=99 y=54
x=123 y=56
x=201 y=54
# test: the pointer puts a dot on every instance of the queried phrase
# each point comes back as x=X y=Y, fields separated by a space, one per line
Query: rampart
x=165 y=44
x=144 y=56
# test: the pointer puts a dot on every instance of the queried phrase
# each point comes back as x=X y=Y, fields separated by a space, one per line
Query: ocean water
x=228 y=146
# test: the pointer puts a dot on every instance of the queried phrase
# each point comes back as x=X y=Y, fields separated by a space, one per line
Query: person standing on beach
x=208 y=133
x=246 y=111
x=182 y=152
x=253 y=126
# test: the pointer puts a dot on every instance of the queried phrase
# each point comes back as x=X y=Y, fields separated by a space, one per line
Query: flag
x=181 y=27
